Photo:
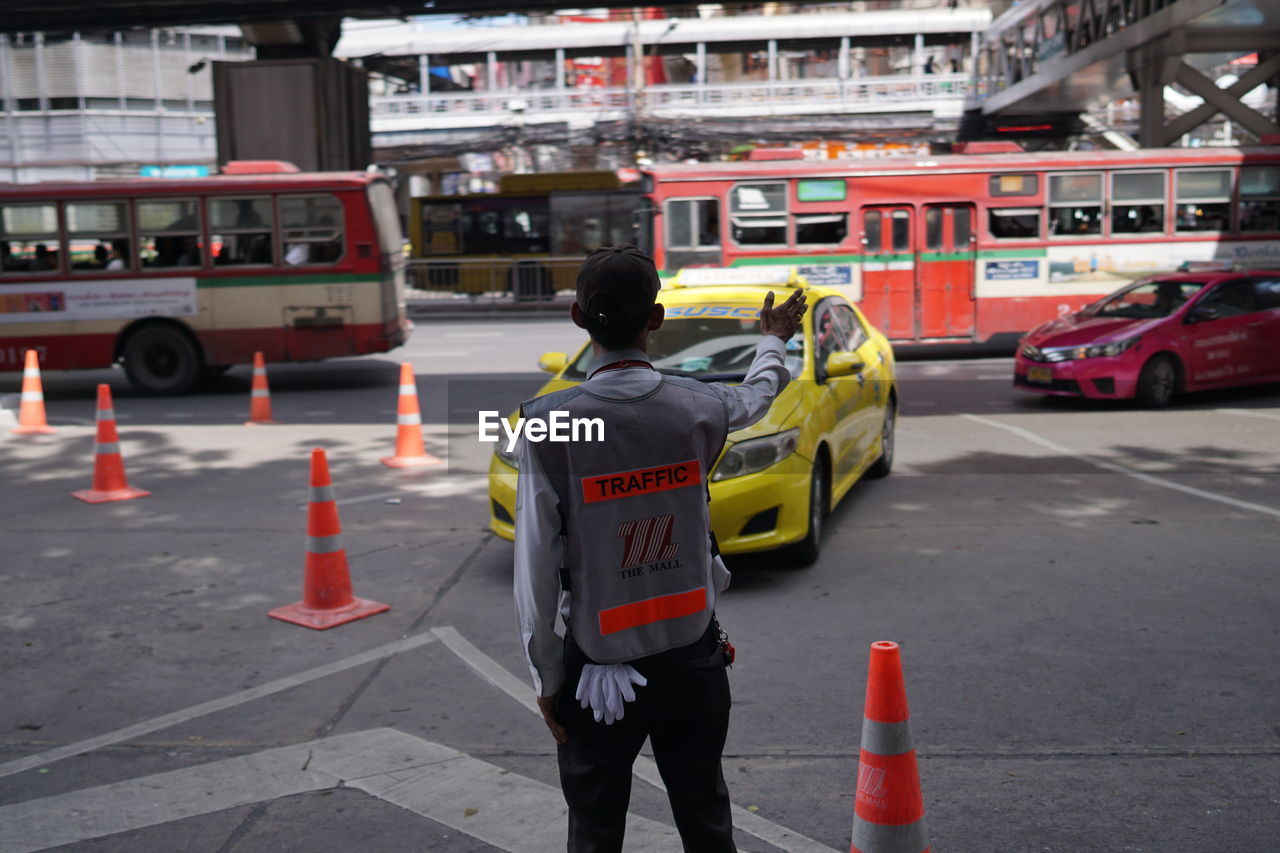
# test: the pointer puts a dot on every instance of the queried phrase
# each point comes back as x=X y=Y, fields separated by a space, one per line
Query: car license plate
x=1043 y=375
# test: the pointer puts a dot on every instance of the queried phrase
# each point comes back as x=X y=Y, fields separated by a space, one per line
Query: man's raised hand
x=783 y=321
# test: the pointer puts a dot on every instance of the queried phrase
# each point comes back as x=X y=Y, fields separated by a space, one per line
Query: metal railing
x=847 y=95
x=476 y=280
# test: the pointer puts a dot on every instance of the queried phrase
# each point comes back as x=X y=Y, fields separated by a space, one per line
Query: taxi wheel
x=1158 y=382
x=882 y=466
x=805 y=552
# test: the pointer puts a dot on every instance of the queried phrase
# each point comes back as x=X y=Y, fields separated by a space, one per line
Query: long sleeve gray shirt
x=538 y=546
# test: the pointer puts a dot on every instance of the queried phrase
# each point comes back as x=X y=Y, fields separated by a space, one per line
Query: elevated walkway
x=1079 y=55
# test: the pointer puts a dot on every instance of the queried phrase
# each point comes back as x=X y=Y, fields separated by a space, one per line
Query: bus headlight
x=756 y=454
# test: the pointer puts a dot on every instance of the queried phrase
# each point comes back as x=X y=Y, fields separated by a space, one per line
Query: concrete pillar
x=77 y=60
x=42 y=94
x=843 y=64
x=560 y=80
x=917 y=56
x=424 y=74
x=120 y=87
x=702 y=63
x=156 y=96
x=491 y=71
x=186 y=52
x=773 y=60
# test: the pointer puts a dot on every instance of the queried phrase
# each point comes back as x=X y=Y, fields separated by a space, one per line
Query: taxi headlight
x=756 y=454
x=1105 y=350
x=507 y=456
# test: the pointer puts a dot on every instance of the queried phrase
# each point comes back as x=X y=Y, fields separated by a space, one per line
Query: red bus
x=970 y=247
x=180 y=279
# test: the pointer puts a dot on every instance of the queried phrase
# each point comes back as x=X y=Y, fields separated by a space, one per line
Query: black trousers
x=684 y=711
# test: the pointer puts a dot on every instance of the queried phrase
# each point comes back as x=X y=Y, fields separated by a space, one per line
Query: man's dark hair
x=617 y=288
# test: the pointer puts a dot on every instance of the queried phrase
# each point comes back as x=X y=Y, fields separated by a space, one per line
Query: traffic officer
x=615 y=537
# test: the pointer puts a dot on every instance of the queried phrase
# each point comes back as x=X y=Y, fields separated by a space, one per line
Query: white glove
x=606 y=688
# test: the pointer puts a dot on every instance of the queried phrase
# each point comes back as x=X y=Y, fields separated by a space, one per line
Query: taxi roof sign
x=776 y=275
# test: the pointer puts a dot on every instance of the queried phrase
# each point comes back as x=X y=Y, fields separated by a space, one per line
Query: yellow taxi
x=832 y=425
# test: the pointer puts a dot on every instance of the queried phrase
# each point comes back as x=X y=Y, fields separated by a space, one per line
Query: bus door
x=889 y=270
x=946 y=272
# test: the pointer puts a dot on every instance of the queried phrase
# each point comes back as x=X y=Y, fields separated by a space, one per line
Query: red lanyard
x=620 y=365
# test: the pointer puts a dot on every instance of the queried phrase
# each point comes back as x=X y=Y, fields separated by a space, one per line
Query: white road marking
x=41 y=759
x=1250 y=414
x=1150 y=479
x=645 y=768
x=501 y=808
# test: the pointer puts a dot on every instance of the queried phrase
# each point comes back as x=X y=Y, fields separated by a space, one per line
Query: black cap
x=617 y=284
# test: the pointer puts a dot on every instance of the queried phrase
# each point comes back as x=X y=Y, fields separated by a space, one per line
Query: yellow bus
x=526 y=239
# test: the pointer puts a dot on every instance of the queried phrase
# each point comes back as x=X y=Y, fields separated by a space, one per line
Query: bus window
x=98 y=236
x=821 y=228
x=1075 y=205
x=1204 y=199
x=170 y=233
x=386 y=218
x=27 y=231
x=311 y=229
x=1260 y=198
x=873 y=237
x=962 y=226
x=693 y=223
x=240 y=230
x=1005 y=185
x=1137 y=202
x=933 y=229
x=758 y=214
x=1014 y=223
x=580 y=223
x=528 y=225
x=901 y=230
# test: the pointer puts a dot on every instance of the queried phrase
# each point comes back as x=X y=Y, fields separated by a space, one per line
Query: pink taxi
x=1159 y=337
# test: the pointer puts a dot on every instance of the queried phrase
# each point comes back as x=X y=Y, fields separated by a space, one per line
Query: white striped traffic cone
x=409 y=447
x=31 y=419
x=260 y=395
x=109 y=481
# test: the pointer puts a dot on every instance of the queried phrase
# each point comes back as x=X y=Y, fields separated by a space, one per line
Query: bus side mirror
x=553 y=362
x=844 y=364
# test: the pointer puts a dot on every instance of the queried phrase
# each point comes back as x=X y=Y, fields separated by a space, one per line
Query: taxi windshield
x=1146 y=300
x=708 y=342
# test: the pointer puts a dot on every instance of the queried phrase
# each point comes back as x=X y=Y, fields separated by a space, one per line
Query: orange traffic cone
x=409 y=448
x=109 y=482
x=260 y=396
x=326 y=586
x=31 y=410
x=888 y=815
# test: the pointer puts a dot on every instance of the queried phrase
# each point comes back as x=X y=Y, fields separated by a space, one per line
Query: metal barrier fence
x=850 y=95
x=530 y=280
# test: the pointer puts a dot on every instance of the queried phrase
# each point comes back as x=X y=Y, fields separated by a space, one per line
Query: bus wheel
x=162 y=360
x=1158 y=382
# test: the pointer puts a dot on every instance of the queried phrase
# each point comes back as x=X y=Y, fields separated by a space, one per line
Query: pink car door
x=1266 y=295
x=1227 y=336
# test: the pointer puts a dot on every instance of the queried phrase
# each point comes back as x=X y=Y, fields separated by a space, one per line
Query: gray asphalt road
x=1085 y=596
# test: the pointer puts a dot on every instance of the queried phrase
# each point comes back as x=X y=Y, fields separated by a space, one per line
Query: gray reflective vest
x=634 y=514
